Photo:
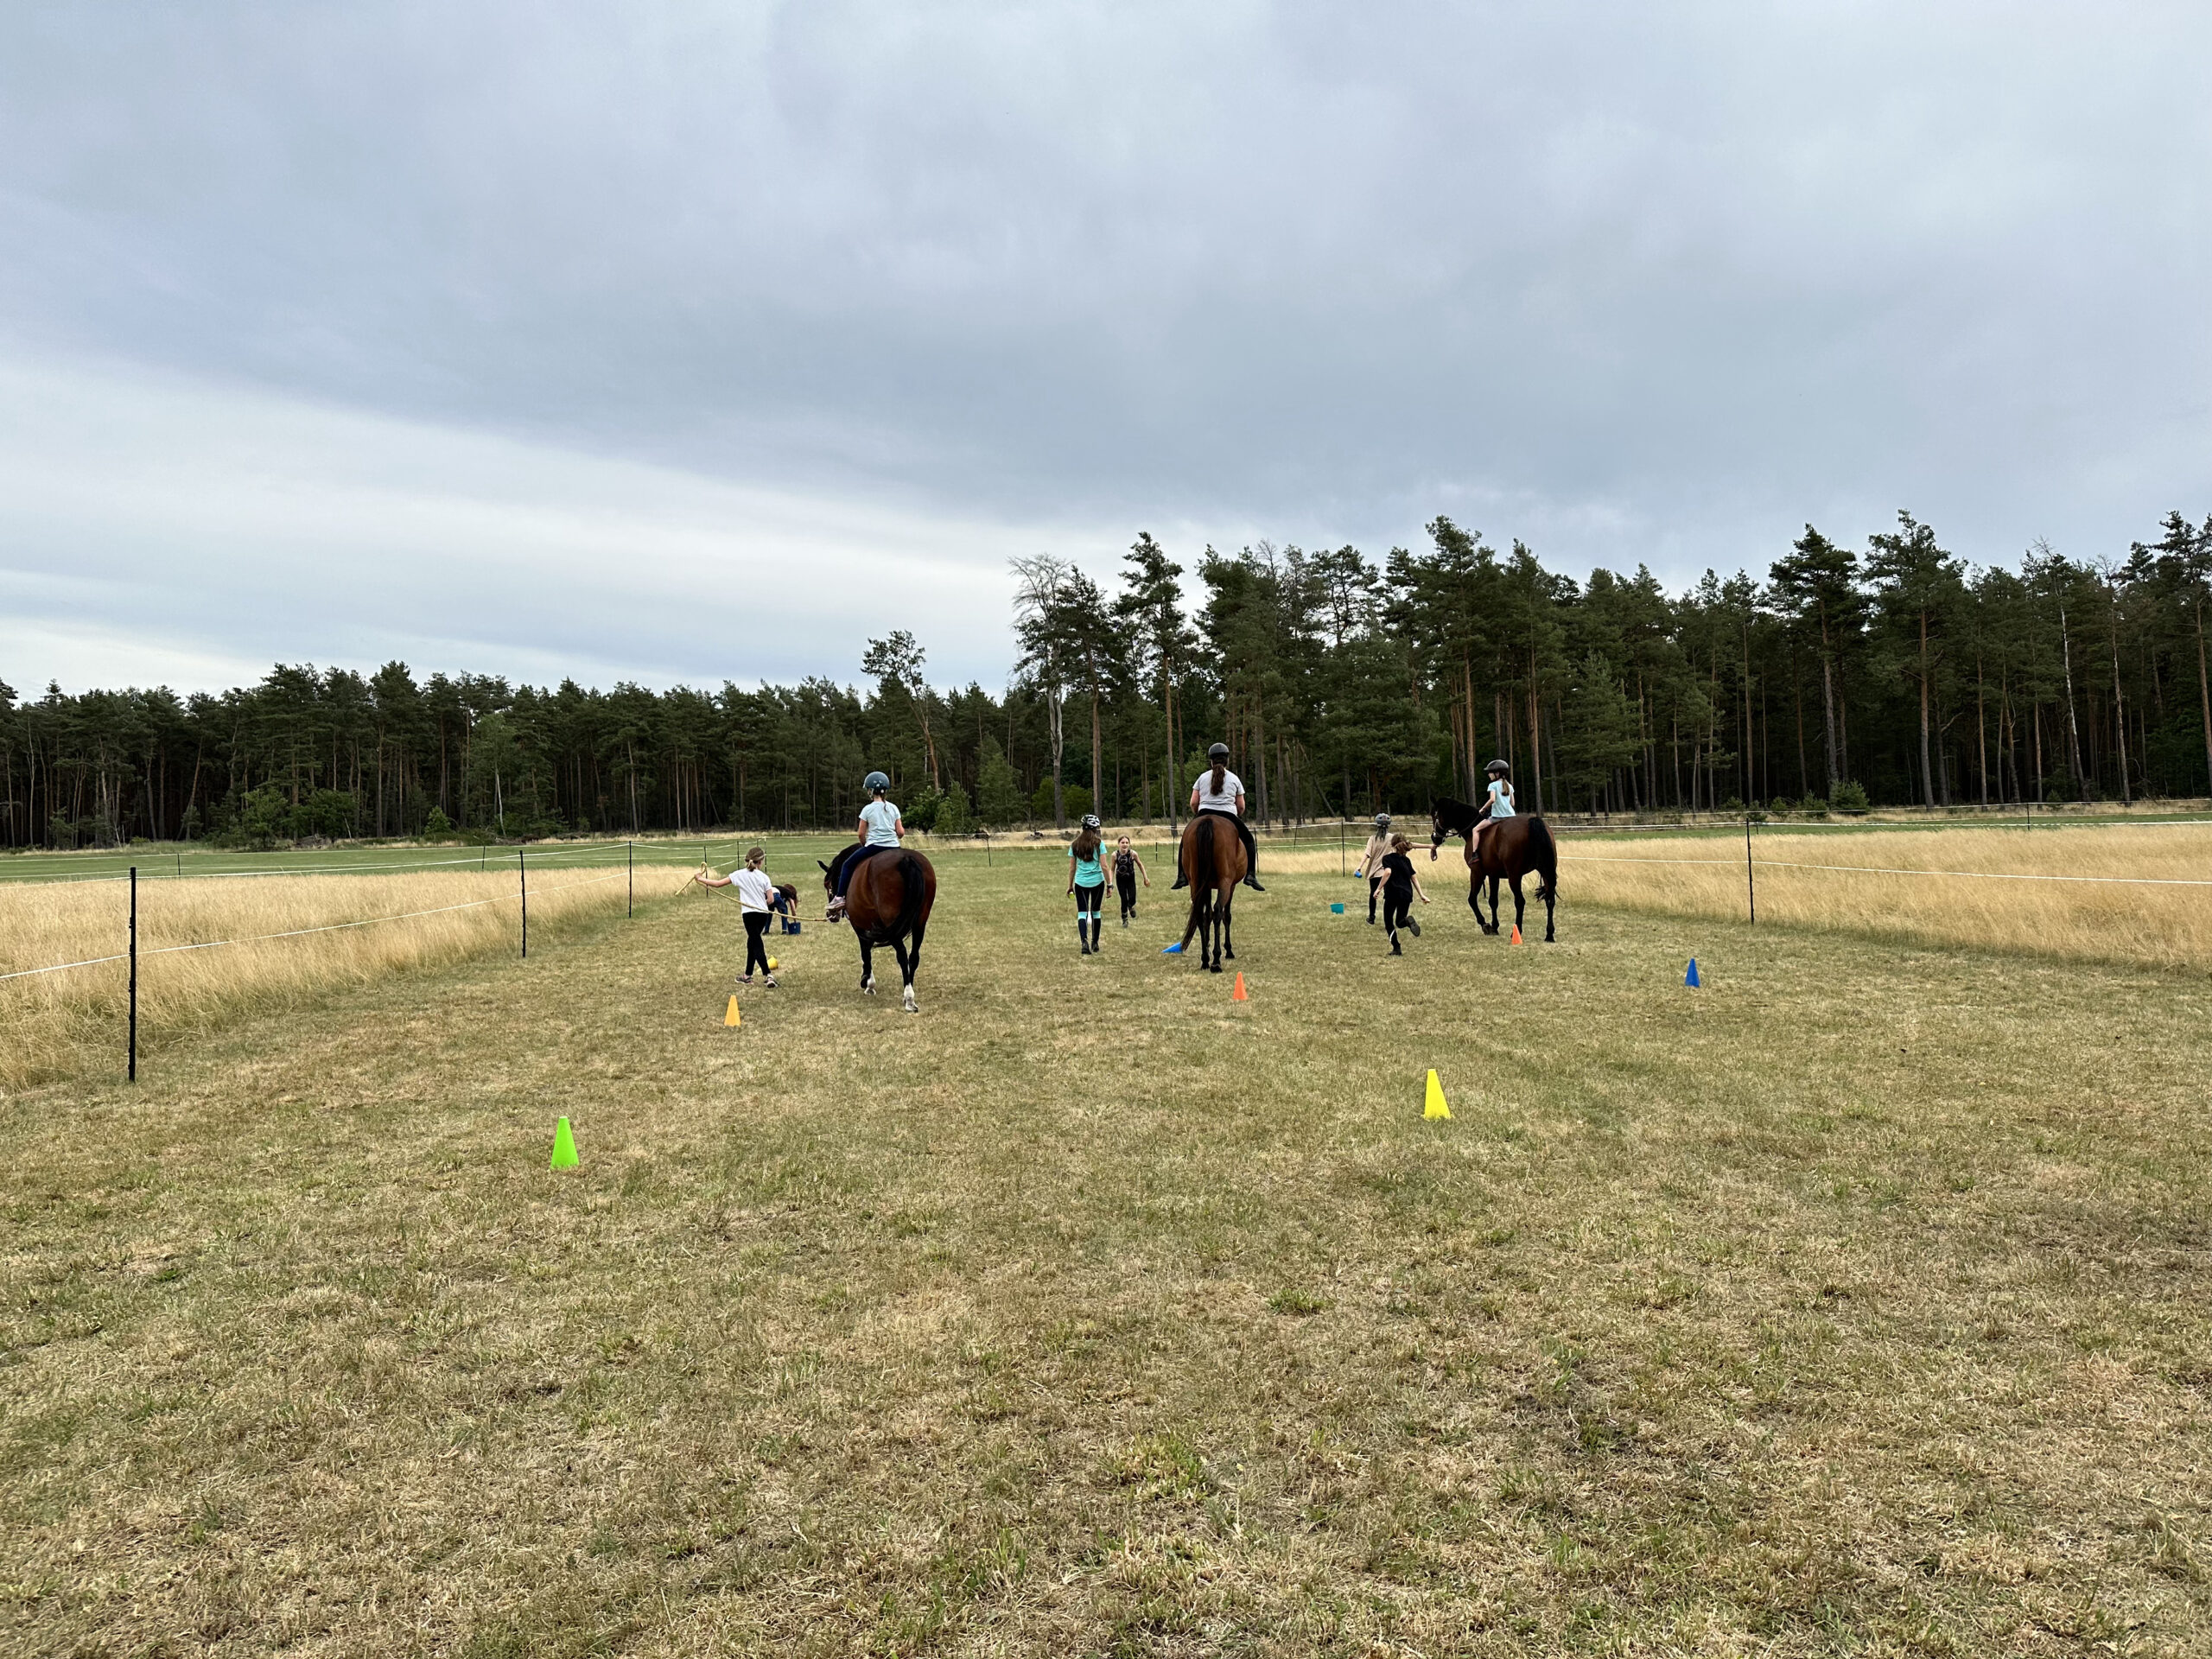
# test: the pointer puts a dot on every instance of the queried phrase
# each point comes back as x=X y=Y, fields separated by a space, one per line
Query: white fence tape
x=303 y=932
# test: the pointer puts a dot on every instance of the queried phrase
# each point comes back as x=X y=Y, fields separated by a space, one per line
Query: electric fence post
x=634 y=878
x=521 y=871
x=1751 y=886
x=133 y=974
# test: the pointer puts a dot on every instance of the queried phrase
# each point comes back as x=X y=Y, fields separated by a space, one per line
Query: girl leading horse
x=1500 y=848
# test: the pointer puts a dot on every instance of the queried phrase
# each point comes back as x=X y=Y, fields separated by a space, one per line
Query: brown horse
x=888 y=902
x=1508 y=851
x=1213 y=862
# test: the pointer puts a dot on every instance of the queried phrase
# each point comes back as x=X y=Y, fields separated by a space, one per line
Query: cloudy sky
x=685 y=342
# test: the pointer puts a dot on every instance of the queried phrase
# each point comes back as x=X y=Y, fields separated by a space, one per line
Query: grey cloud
x=1632 y=282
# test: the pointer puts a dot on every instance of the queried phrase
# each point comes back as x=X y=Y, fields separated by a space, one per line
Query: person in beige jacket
x=1371 y=861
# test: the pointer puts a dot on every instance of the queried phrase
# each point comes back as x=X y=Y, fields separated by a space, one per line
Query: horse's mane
x=1454 y=814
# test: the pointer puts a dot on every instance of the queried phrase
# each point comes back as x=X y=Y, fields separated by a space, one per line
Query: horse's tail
x=1543 y=856
x=914 y=889
x=1199 y=838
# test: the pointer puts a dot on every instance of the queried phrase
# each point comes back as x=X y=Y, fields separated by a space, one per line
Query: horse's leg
x=867 y=967
x=1227 y=909
x=1519 y=904
x=1497 y=916
x=1214 y=931
x=1550 y=902
x=905 y=971
x=912 y=963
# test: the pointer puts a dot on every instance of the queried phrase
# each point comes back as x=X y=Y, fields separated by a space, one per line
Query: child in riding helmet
x=879 y=826
x=1219 y=790
x=1400 y=887
x=1371 y=861
x=1128 y=866
x=1500 y=801
x=1087 y=882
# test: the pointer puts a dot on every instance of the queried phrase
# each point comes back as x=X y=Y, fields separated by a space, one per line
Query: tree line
x=1894 y=673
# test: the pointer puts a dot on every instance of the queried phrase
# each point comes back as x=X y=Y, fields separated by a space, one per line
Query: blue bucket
x=1336 y=910
x=790 y=927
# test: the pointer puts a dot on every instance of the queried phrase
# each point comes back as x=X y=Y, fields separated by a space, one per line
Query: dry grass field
x=1986 y=888
x=63 y=1024
x=1853 y=1304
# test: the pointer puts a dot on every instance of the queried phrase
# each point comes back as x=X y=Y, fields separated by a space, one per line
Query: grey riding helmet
x=875 y=781
x=1497 y=767
x=1382 y=820
x=1219 y=752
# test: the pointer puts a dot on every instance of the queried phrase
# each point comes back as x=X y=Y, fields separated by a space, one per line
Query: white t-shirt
x=882 y=820
x=1223 y=799
x=755 y=889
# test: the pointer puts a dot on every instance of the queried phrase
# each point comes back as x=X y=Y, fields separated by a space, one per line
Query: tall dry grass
x=1965 y=887
x=59 y=1024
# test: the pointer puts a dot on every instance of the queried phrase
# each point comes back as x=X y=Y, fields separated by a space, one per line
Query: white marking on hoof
x=910 y=1008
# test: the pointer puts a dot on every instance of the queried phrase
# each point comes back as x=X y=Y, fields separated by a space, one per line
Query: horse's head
x=1438 y=829
x=828 y=881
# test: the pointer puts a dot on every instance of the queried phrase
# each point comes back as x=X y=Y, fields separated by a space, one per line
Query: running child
x=1087 y=882
x=1400 y=887
x=1128 y=866
x=757 y=898
x=1371 y=861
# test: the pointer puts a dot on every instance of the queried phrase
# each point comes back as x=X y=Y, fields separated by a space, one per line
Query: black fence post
x=522 y=871
x=1751 y=888
x=134 y=973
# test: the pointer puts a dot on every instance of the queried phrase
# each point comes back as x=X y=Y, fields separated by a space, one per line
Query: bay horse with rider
x=1503 y=845
x=884 y=889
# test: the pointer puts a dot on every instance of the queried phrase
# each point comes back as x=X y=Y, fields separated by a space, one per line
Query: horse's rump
x=1212 y=853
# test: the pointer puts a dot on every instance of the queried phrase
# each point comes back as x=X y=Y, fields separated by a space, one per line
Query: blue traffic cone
x=1172 y=951
x=1691 y=979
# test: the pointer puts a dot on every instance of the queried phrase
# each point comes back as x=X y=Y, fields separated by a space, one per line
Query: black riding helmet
x=1219 y=752
x=1498 y=769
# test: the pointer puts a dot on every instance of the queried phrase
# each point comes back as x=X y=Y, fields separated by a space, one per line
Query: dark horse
x=1213 y=857
x=1510 y=850
x=888 y=902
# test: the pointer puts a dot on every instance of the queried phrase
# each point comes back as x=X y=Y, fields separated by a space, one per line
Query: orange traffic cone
x=1237 y=996
x=733 y=1018
x=1516 y=933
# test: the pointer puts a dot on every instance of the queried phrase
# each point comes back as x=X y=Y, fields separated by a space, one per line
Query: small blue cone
x=1172 y=951
x=1690 y=979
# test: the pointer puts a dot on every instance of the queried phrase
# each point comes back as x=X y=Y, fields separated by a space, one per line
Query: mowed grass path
x=1854 y=1303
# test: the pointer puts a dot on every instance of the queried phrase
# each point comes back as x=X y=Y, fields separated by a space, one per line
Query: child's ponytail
x=1220 y=775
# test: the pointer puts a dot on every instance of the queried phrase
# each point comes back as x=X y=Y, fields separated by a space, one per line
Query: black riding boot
x=1251 y=857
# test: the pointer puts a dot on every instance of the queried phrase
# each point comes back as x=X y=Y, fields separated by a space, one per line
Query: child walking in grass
x=1128 y=866
x=756 y=904
x=1087 y=882
x=1371 y=861
x=1400 y=887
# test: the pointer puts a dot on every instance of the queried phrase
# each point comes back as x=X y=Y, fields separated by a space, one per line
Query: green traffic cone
x=564 y=1147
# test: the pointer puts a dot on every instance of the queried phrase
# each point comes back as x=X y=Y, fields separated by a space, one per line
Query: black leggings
x=1088 y=901
x=1374 y=887
x=1126 y=884
x=1396 y=902
x=756 y=927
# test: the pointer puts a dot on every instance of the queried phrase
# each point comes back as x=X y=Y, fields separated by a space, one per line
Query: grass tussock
x=59 y=1024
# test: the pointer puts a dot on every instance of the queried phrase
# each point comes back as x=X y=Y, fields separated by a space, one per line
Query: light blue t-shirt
x=882 y=820
x=1089 y=872
x=1501 y=798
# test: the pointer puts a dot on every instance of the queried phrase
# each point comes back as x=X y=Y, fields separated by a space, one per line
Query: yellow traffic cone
x=1435 y=1107
x=564 y=1147
x=733 y=1018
